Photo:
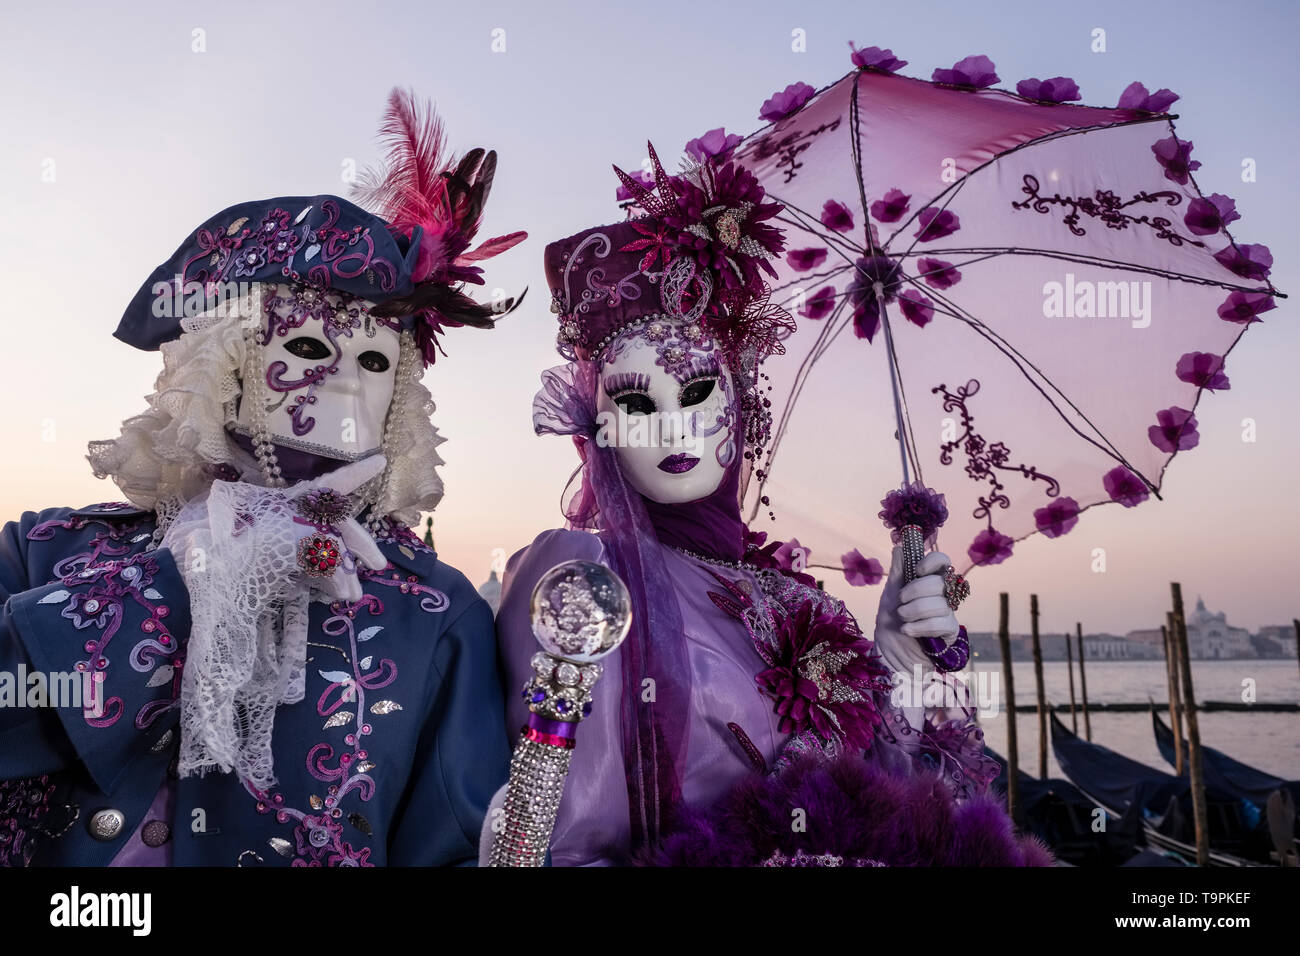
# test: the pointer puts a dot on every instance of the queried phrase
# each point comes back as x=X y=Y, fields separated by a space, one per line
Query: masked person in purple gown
x=743 y=692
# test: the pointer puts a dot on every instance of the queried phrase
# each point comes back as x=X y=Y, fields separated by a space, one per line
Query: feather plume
x=419 y=186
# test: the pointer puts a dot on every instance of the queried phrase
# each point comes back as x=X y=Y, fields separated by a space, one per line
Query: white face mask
x=668 y=407
x=331 y=369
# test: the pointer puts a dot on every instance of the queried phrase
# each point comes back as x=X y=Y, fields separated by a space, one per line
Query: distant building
x=1151 y=638
x=1210 y=637
x=490 y=591
x=1276 y=640
x=1111 y=647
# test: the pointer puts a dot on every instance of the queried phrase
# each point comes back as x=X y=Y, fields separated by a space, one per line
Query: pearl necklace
x=704 y=558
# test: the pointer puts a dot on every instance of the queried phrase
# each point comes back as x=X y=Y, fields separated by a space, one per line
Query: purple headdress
x=422 y=193
x=695 y=264
x=699 y=255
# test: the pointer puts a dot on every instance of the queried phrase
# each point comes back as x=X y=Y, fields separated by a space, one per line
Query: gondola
x=1243 y=781
x=1062 y=816
x=1224 y=772
x=1160 y=803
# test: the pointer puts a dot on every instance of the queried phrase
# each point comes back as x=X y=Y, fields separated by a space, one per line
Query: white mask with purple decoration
x=329 y=370
x=667 y=404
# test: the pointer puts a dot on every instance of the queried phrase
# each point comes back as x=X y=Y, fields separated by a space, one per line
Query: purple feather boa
x=855 y=809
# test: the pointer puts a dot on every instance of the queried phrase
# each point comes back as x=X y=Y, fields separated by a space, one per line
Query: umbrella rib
x=801 y=375
x=1116 y=264
x=830 y=238
x=799 y=280
x=1016 y=356
x=956 y=187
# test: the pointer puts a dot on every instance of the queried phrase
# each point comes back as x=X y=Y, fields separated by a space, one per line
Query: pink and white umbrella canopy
x=1058 y=296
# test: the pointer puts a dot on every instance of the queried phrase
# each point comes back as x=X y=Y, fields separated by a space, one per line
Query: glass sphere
x=580 y=611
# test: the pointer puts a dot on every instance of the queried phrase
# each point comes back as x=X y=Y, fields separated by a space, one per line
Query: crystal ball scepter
x=580 y=612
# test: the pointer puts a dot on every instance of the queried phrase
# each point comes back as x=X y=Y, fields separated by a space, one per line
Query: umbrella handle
x=912 y=541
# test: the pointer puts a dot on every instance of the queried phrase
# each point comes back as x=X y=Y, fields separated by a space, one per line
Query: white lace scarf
x=248 y=635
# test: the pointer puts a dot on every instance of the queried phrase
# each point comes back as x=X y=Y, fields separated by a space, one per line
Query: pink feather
x=493 y=247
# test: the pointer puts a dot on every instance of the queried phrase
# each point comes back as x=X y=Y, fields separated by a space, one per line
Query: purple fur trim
x=854 y=809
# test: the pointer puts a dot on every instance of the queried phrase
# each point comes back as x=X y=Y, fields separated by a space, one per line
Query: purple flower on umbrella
x=836 y=216
x=874 y=58
x=990 y=547
x=1208 y=215
x=1058 y=517
x=780 y=105
x=1246 y=260
x=937 y=273
x=1124 y=486
x=1175 y=430
x=1245 y=307
x=801 y=260
x=1059 y=89
x=714 y=143
x=936 y=223
x=1204 y=369
x=892 y=207
x=974 y=72
x=861 y=571
x=645 y=179
x=1136 y=97
x=862 y=292
x=914 y=504
x=787 y=554
x=916 y=308
x=1175 y=156
x=819 y=304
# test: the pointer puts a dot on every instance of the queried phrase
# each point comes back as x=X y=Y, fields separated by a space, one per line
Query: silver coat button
x=106 y=824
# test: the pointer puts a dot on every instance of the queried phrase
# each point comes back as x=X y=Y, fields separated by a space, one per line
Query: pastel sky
x=144 y=137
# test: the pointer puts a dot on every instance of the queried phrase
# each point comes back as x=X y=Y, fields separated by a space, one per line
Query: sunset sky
x=144 y=138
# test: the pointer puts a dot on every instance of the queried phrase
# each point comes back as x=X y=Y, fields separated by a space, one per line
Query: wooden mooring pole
x=1069 y=665
x=1295 y=622
x=1038 y=683
x=1193 y=731
x=1083 y=682
x=1008 y=681
x=1175 y=698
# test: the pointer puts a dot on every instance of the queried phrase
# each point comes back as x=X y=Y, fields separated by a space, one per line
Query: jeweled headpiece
x=697 y=258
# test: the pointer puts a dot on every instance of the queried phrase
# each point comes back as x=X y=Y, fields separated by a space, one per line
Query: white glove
x=912 y=611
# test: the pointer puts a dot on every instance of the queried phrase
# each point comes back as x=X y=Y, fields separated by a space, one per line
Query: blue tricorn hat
x=324 y=241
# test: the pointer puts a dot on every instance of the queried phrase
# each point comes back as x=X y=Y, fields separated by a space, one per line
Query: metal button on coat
x=106 y=824
x=155 y=833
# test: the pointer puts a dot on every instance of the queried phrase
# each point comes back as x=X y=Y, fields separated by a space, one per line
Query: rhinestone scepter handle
x=580 y=612
x=558 y=698
x=913 y=545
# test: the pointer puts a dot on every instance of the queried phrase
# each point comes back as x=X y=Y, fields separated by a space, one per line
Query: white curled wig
x=167 y=454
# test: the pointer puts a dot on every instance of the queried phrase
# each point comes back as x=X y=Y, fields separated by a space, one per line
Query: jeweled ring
x=319 y=555
x=324 y=506
x=955 y=587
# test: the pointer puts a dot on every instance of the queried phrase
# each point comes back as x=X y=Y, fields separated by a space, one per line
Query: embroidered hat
x=410 y=256
x=697 y=257
x=323 y=241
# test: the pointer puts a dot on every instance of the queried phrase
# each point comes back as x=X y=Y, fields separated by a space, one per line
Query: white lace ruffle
x=236 y=548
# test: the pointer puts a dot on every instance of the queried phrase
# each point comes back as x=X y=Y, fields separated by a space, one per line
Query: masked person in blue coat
x=253 y=660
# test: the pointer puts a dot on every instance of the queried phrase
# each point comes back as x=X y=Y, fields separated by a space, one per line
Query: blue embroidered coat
x=391 y=757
